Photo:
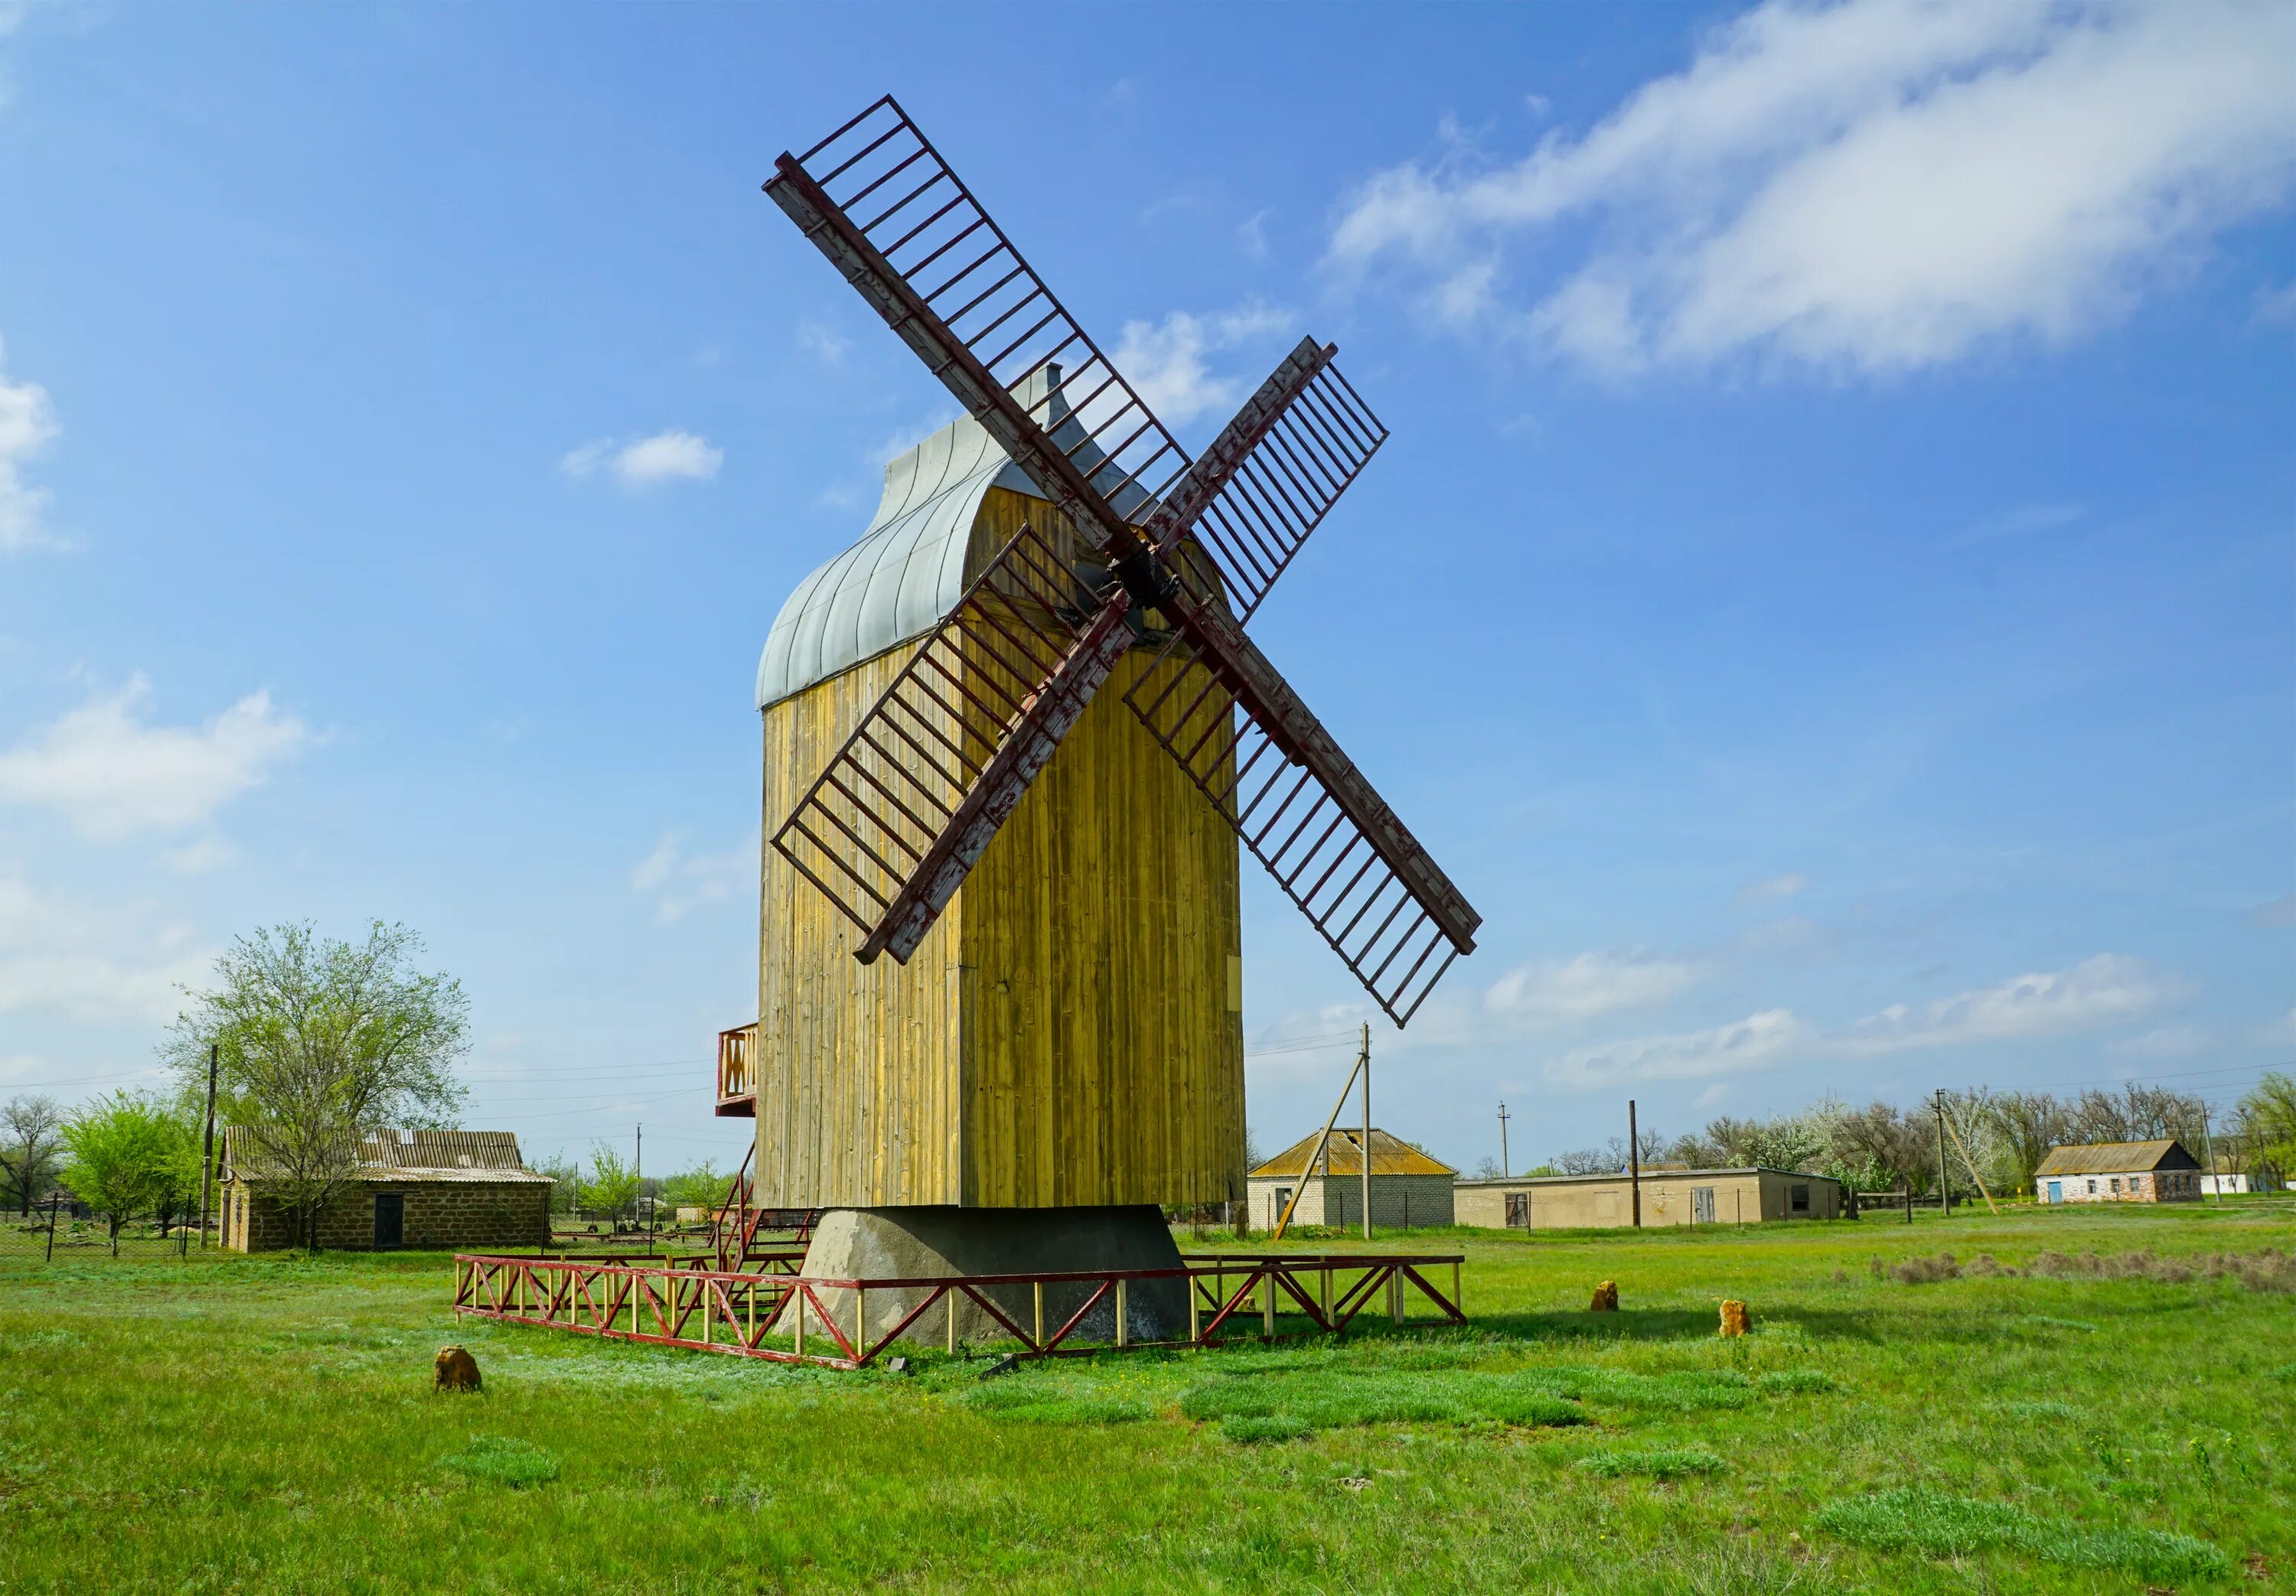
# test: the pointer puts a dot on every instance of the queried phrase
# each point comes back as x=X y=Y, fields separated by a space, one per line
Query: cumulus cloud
x=2096 y=991
x=2106 y=989
x=670 y=456
x=680 y=882
x=1586 y=987
x=105 y=965
x=28 y=426
x=824 y=342
x=111 y=773
x=1876 y=185
x=1169 y=363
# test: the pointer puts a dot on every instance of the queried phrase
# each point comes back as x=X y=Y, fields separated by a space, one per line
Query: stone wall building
x=1408 y=1188
x=466 y=1189
x=1676 y=1196
x=2118 y=1171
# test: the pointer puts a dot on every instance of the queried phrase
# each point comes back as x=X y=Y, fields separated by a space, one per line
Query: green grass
x=1938 y=1524
x=1657 y=1462
x=268 y=1425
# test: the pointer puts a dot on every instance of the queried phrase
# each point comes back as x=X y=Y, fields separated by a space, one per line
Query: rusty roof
x=478 y=1156
x=1389 y=1154
x=2117 y=1157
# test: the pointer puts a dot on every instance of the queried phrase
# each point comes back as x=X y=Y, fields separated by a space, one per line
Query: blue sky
x=1828 y=599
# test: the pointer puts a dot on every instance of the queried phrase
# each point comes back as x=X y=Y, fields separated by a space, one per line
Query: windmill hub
x=1016 y=738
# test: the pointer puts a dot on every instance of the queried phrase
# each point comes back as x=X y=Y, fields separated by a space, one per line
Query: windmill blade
x=946 y=278
x=902 y=811
x=1268 y=481
x=1302 y=808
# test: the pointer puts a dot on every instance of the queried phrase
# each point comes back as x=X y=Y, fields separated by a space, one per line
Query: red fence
x=715 y=1310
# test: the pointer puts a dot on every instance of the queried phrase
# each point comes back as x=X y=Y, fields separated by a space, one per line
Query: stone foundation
x=909 y=1243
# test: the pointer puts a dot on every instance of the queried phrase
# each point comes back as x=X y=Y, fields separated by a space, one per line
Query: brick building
x=446 y=1189
x=1407 y=1187
x=2120 y=1172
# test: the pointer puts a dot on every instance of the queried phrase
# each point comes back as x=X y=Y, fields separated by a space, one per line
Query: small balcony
x=737 y=1072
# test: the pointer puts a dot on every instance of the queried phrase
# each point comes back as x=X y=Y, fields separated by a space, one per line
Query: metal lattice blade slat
x=1304 y=810
x=901 y=811
x=877 y=198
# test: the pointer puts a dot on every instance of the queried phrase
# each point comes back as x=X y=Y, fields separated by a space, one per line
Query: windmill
x=1121 y=562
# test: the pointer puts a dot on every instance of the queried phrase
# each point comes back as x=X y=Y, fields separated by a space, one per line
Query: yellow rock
x=1606 y=1298
x=1735 y=1320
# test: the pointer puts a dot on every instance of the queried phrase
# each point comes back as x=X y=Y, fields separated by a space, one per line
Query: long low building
x=2159 y=1171
x=1669 y=1197
x=463 y=1189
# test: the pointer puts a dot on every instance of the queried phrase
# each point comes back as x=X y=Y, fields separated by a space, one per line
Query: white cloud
x=2104 y=990
x=1758 y=1042
x=28 y=425
x=1168 y=362
x=1251 y=235
x=1586 y=987
x=2277 y=307
x=200 y=855
x=116 y=965
x=1876 y=185
x=824 y=342
x=2096 y=991
x=679 y=882
x=111 y=774
x=1771 y=890
x=2165 y=1042
x=668 y=456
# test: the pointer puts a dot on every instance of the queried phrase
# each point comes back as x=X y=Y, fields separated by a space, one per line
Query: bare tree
x=31 y=1143
x=323 y=1044
x=2027 y=1125
x=1879 y=1145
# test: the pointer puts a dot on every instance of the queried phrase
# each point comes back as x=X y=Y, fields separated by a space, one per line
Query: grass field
x=269 y=1424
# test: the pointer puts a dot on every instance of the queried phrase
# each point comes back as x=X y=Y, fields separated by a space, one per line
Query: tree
x=566 y=1182
x=1487 y=1170
x=699 y=1187
x=613 y=1183
x=2027 y=1124
x=323 y=1044
x=129 y=1155
x=1880 y=1146
x=31 y=1141
x=2267 y=1116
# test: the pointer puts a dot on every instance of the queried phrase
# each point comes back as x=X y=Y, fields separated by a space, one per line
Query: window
x=2115 y=1183
x=1801 y=1199
x=2092 y=1188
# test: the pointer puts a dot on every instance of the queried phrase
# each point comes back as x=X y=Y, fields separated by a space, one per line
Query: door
x=1518 y=1210
x=2057 y=1191
x=1702 y=1205
x=390 y=1219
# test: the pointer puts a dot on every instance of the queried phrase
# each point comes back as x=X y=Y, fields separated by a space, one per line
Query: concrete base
x=908 y=1243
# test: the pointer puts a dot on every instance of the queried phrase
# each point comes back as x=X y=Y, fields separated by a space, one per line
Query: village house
x=1670 y=1195
x=2118 y=1171
x=1407 y=1187
x=446 y=1189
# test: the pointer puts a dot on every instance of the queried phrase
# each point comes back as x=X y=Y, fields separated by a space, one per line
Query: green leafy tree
x=322 y=1043
x=2267 y=1122
x=699 y=1187
x=566 y=1182
x=130 y=1155
x=612 y=1187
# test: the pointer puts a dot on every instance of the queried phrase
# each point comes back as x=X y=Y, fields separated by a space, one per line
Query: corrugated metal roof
x=1670 y=1172
x=1388 y=1156
x=2117 y=1157
x=907 y=570
x=483 y=1156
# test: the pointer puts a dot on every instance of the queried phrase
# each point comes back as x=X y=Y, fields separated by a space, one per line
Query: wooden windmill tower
x=1013 y=737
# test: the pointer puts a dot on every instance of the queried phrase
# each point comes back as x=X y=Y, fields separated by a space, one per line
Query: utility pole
x=55 y=1201
x=2208 y=1151
x=639 y=1196
x=1366 y=1145
x=1945 y=1187
x=1634 y=1162
x=1505 y=1168
x=207 y=1155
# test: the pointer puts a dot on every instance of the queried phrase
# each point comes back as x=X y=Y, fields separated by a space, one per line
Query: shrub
x=1786 y=1382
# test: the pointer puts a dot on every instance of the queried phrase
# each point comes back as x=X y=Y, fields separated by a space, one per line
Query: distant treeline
x=1883 y=1147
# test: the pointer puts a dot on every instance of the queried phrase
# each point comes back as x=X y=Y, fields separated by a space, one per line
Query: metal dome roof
x=907 y=571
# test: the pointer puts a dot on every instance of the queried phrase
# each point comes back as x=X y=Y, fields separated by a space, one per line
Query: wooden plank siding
x=1069 y=1031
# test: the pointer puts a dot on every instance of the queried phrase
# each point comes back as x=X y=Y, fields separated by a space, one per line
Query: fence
x=65 y=1231
x=594 y=1296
